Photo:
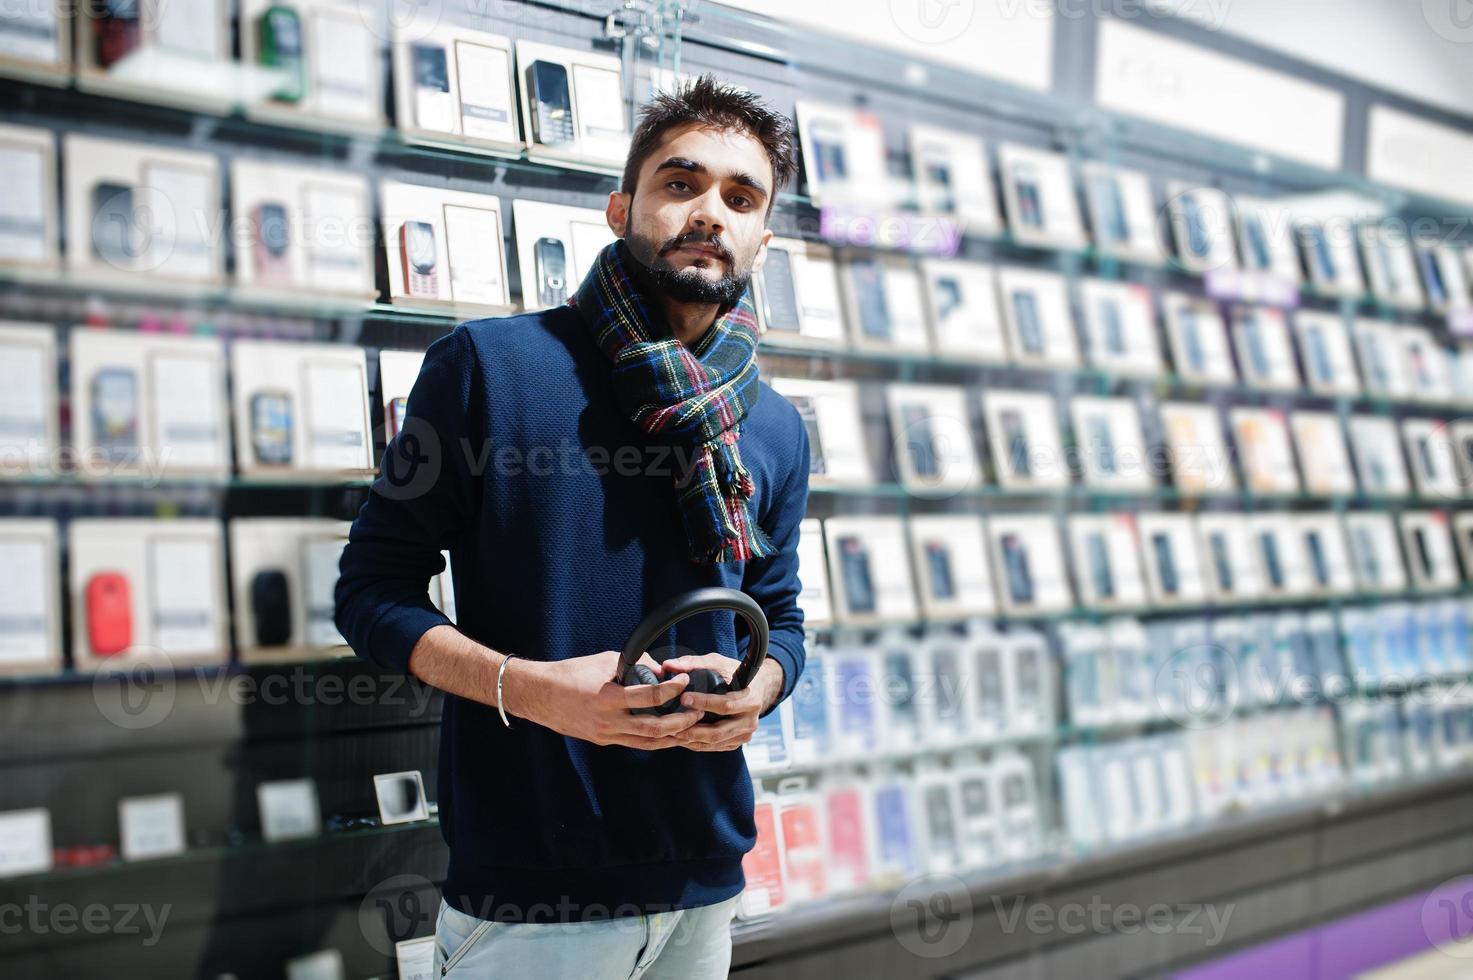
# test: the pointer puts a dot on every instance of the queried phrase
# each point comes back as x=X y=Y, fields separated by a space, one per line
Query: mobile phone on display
x=280 y=45
x=1099 y=566
x=808 y=412
x=1015 y=564
x=1217 y=544
x=417 y=255
x=273 y=238
x=1319 y=249
x=1016 y=436
x=115 y=413
x=828 y=152
x=1198 y=244
x=918 y=439
x=109 y=614
x=1424 y=551
x=1166 y=563
x=271 y=427
x=116 y=30
x=433 y=107
x=869 y=289
x=1099 y=440
x=858 y=585
x=1030 y=204
x=1030 y=329
x=1257 y=354
x=1432 y=273
x=271 y=607
x=1316 y=548
x=1424 y=458
x=1191 y=339
x=1319 y=354
x=552 y=113
x=1365 y=549
x=949 y=297
x=1269 y=547
x=938 y=175
x=938 y=560
x=779 y=292
x=988 y=666
x=552 y=271
x=1112 y=208
x=1111 y=329
x=114 y=231
x=900 y=686
x=1257 y=243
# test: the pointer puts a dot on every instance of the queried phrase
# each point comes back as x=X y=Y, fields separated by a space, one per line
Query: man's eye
x=740 y=202
x=678 y=185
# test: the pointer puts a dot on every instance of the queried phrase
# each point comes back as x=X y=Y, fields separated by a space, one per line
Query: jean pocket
x=456 y=934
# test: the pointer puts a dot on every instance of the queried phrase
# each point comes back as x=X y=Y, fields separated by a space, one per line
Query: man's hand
x=578 y=697
x=740 y=708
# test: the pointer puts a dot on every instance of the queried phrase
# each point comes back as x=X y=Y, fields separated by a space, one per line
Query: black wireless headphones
x=631 y=673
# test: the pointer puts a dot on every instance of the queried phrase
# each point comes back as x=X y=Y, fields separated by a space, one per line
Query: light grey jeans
x=686 y=944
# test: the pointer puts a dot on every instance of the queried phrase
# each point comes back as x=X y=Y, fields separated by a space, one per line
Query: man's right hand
x=578 y=697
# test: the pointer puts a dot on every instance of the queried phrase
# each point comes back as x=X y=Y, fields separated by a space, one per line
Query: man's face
x=698 y=216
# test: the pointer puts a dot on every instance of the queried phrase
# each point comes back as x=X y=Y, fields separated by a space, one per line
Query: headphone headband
x=688 y=604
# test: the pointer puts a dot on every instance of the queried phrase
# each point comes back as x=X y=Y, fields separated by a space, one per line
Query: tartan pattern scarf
x=695 y=398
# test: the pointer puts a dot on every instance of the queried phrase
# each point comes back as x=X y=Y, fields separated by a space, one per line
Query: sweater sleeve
x=420 y=504
x=773 y=581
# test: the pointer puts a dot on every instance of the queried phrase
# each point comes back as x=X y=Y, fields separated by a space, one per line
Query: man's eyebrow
x=696 y=167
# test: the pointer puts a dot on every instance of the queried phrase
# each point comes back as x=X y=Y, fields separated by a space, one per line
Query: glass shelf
x=1166 y=383
x=140 y=482
x=910 y=753
x=214 y=854
x=1186 y=609
x=1076 y=493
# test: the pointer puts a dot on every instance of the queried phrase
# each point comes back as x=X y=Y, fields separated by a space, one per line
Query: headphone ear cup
x=703 y=680
x=640 y=675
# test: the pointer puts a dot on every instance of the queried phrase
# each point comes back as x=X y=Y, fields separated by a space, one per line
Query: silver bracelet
x=500 y=704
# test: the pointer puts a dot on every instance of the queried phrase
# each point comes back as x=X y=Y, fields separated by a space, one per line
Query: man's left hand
x=739 y=710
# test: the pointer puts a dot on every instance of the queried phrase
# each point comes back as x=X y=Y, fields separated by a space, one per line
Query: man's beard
x=688 y=285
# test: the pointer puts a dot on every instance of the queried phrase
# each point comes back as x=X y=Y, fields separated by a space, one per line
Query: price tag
x=289 y=809
x=152 y=826
x=416 y=958
x=25 y=842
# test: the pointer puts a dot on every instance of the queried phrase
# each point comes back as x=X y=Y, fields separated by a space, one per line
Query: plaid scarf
x=691 y=397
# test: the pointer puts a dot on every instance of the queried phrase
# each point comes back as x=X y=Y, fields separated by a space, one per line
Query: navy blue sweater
x=563 y=531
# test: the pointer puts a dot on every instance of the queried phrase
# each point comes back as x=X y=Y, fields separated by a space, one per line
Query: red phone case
x=109 y=614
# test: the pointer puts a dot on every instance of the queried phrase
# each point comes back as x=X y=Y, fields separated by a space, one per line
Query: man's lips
x=702 y=250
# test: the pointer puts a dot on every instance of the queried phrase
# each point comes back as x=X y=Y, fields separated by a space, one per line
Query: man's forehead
x=721 y=151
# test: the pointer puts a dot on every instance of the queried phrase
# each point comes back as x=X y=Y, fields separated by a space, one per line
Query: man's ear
x=617 y=213
x=761 y=256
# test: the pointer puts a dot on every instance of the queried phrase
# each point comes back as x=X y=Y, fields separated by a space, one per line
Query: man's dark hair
x=708 y=102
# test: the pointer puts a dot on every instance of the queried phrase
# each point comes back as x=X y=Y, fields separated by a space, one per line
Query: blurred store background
x=1135 y=339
